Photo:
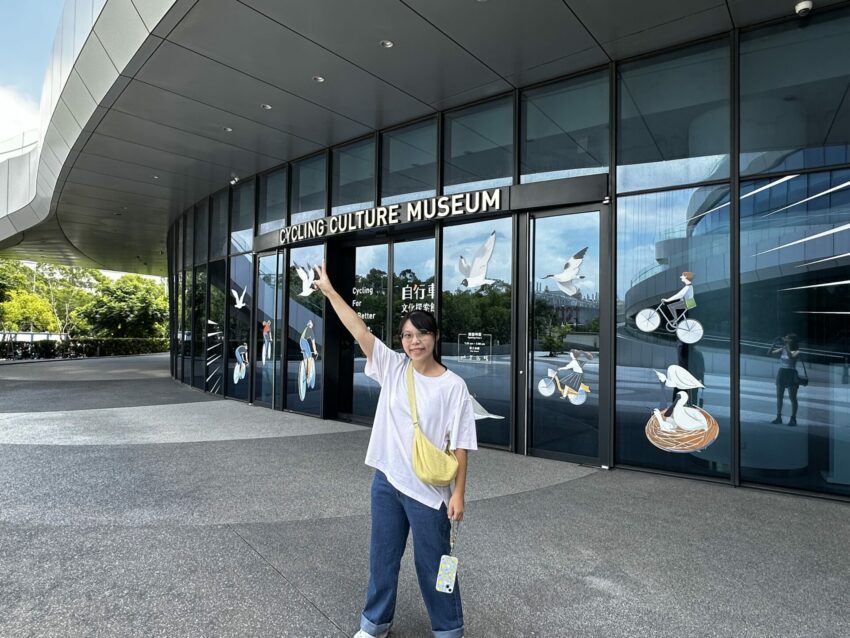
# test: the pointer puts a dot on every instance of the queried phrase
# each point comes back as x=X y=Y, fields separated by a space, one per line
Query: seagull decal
x=306 y=276
x=240 y=299
x=568 y=279
x=475 y=274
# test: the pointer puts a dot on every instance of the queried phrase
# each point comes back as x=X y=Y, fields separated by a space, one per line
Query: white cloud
x=18 y=112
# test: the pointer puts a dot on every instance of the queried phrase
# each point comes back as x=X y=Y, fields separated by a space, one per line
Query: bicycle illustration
x=568 y=380
x=307 y=366
x=241 y=366
x=673 y=311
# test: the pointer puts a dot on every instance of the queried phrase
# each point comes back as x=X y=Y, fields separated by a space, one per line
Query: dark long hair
x=422 y=320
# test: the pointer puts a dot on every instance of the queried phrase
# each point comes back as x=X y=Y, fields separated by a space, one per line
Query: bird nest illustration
x=682 y=440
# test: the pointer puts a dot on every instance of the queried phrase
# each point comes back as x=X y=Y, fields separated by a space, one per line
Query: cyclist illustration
x=568 y=380
x=267 y=341
x=241 y=366
x=307 y=367
x=674 y=311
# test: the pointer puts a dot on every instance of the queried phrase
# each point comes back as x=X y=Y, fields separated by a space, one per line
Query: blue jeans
x=393 y=515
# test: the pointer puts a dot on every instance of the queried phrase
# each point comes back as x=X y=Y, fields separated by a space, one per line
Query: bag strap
x=411 y=395
x=805 y=372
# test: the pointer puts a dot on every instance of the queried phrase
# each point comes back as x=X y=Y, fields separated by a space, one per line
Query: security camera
x=803 y=8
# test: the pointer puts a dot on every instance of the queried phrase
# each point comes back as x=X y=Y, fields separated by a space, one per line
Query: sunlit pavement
x=131 y=505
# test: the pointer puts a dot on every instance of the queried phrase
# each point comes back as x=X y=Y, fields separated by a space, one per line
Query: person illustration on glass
x=788 y=349
x=400 y=502
x=267 y=341
x=239 y=370
x=673 y=310
x=568 y=379
x=307 y=368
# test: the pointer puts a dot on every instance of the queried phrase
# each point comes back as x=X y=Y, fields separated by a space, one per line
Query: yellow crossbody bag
x=430 y=464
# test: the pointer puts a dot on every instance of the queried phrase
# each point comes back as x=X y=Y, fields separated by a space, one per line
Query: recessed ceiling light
x=116 y=214
x=156 y=176
x=387 y=44
x=318 y=78
x=226 y=129
x=266 y=107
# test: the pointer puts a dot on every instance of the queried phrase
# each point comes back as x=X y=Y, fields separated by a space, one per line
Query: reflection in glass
x=242 y=218
x=479 y=147
x=475 y=319
x=409 y=163
x=272 y=212
x=218 y=224
x=674 y=118
x=370 y=302
x=564 y=330
x=353 y=186
x=305 y=334
x=181 y=326
x=565 y=129
x=413 y=282
x=199 y=303
x=794 y=113
x=307 y=199
x=187 y=326
x=673 y=384
x=188 y=238
x=795 y=331
x=238 y=351
x=265 y=354
x=201 y=231
x=215 y=354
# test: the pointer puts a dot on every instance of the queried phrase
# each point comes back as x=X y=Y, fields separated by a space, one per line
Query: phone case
x=447 y=574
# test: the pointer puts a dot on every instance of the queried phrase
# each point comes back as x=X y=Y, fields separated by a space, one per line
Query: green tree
x=554 y=336
x=25 y=311
x=131 y=306
x=67 y=289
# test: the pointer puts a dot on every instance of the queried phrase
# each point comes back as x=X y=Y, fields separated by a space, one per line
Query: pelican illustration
x=568 y=279
x=667 y=425
x=687 y=418
x=475 y=274
x=240 y=299
x=306 y=276
x=481 y=412
x=678 y=377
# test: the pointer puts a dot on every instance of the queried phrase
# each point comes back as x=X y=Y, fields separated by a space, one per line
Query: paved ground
x=133 y=506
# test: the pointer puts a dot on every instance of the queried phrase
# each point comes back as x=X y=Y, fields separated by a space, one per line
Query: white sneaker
x=363 y=634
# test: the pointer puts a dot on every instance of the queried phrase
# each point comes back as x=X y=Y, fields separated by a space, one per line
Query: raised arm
x=349 y=318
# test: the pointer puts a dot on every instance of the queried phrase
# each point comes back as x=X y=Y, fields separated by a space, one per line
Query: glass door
x=564 y=345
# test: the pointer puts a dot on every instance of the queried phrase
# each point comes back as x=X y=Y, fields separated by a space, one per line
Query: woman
x=400 y=501
x=786 y=376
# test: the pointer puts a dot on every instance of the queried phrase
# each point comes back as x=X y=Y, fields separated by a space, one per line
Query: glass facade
x=635 y=299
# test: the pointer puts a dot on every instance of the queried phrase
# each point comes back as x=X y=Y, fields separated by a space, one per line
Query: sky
x=27 y=29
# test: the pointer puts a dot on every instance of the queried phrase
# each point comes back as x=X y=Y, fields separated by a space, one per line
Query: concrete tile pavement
x=212 y=518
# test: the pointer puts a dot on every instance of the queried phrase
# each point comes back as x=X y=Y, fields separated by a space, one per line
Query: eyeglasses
x=408 y=336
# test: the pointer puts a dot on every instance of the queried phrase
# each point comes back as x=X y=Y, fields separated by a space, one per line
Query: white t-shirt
x=445 y=415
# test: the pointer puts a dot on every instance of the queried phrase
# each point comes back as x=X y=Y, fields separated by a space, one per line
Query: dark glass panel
x=413 y=282
x=272 y=213
x=218 y=224
x=265 y=329
x=565 y=129
x=795 y=113
x=353 y=185
x=795 y=331
x=188 y=306
x=475 y=320
x=199 y=323
x=188 y=238
x=370 y=302
x=564 y=330
x=242 y=217
x=673 y=356
x=238 y=349
x=201 y=232
x=215 y=352
x=674 y=118
x=409 y=163
x=479 y=147
x=309 y=188
x=179 y=323
x=305 y=333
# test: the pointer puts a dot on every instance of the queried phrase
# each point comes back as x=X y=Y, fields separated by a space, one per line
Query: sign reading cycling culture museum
x=380 y=216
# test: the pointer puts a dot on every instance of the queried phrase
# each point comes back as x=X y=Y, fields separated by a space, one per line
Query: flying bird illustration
x=568 y=279
x=306 y=276
x=481 y=412
x=678 y=377
x=240 y=299
x=475 y=274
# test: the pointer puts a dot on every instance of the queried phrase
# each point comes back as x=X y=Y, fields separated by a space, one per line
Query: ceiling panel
x=135 y=172
x=423 y=61
x=289 y=61
x=514 y=38
x=187 y=73
x=747 y=12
